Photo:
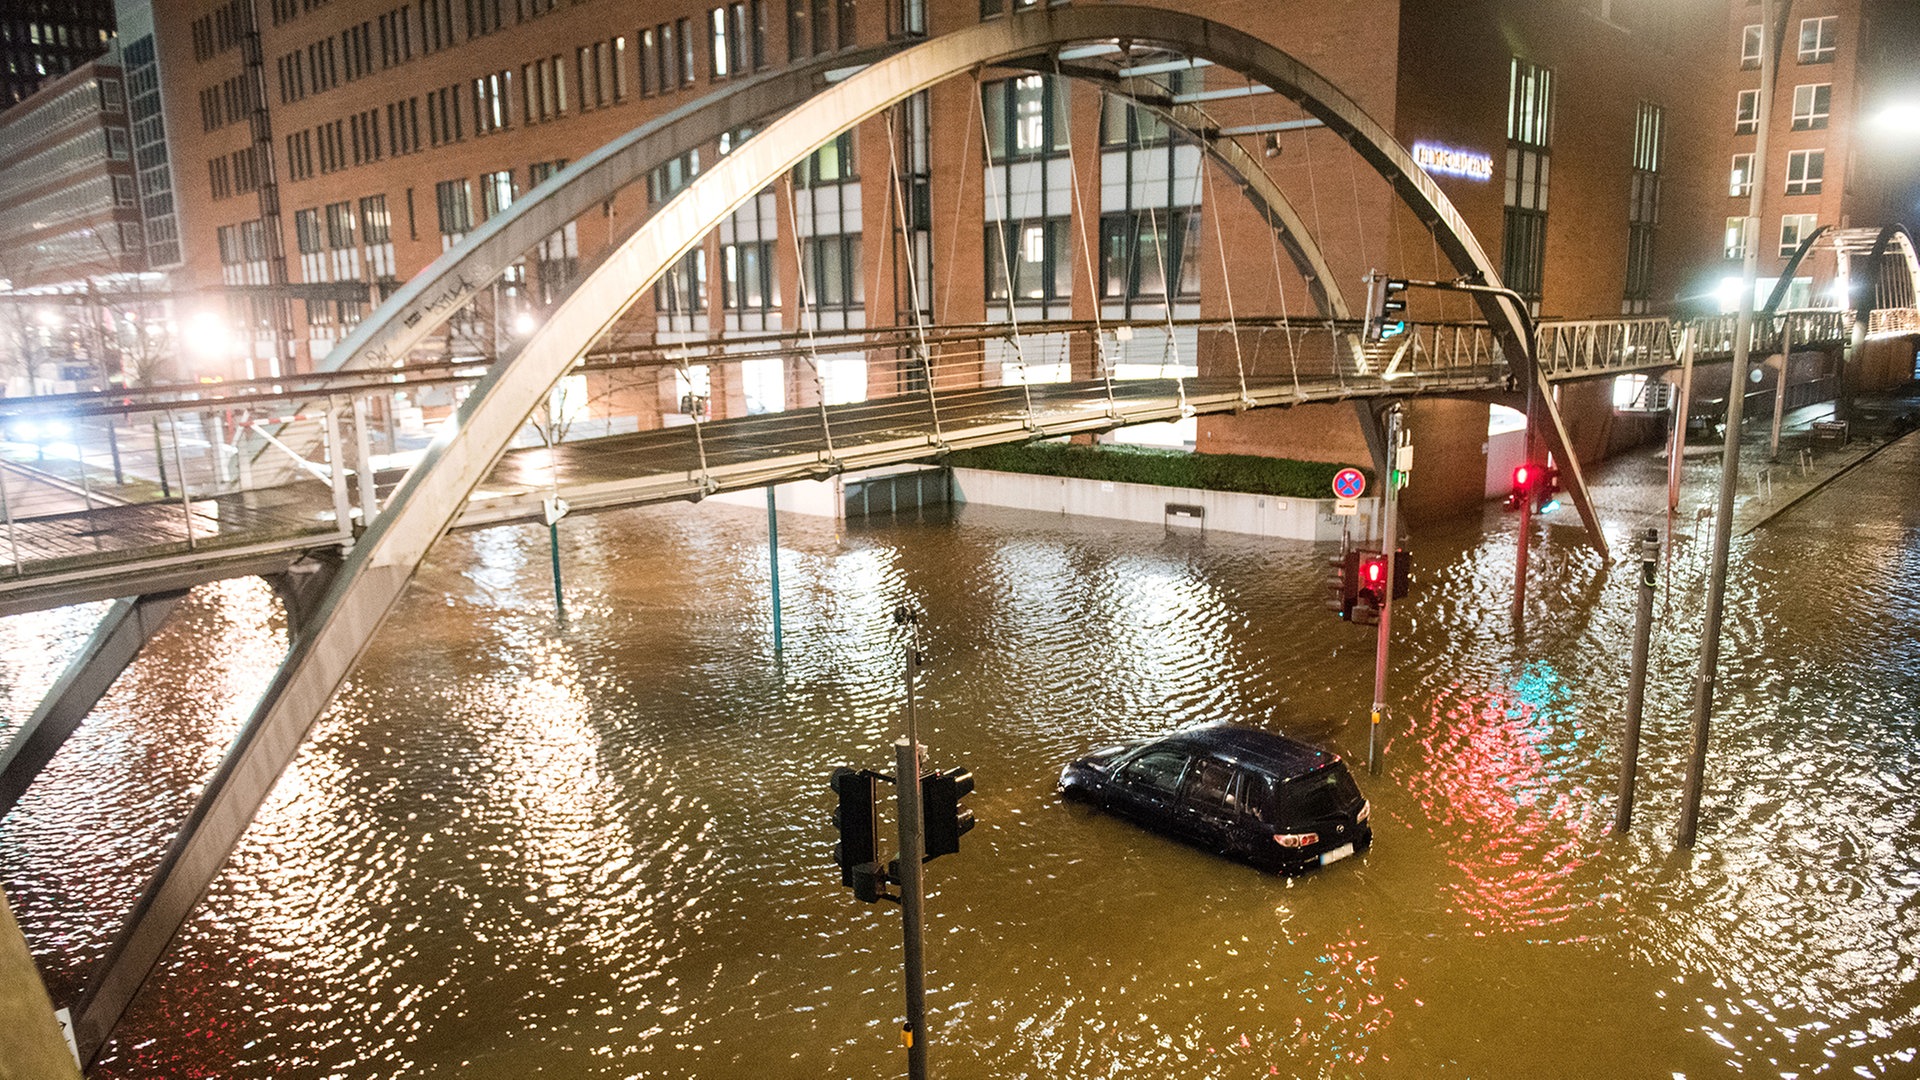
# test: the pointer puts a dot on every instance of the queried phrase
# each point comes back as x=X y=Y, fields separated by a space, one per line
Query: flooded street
x=516 y=850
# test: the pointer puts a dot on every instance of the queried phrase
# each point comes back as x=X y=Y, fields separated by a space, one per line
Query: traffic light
x=1524 y=477
x=856 y=821
x=1384 y=307
x=942 y=817
x=1343 y=583
x=1536 y=482
x=1373 y=577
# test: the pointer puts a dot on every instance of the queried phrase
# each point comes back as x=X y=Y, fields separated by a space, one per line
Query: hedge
x=1171 y=468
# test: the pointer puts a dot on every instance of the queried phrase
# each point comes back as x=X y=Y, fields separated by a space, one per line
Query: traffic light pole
x=1390 y=547
x=911 y=872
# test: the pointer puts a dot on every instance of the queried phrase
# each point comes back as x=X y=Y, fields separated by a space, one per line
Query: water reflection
x=601 y=850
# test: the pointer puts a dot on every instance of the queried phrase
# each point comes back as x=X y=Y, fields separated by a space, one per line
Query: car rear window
x=1324 y=794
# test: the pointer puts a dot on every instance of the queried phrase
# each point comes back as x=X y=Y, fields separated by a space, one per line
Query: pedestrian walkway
x=1633 y=487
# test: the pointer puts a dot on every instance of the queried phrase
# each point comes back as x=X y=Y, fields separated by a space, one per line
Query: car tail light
x=1296 y=839
x=1366 y=808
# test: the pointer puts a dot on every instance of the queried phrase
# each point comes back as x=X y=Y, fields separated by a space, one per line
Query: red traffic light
x=1520 y=476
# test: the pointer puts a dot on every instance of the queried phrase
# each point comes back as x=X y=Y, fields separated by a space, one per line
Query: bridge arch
x=375 y=573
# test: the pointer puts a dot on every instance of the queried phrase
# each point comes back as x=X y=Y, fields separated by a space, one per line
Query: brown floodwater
x=519 y=849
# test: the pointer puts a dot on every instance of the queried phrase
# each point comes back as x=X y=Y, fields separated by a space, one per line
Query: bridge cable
x=1086 y=250
x=1319 y=229
x=913 y=277
x=1163 y=251
x=813 y=350
x=1000 y=231
x=1226 y=278
x=698 y=407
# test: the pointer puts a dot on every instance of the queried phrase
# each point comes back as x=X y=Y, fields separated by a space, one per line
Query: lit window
x=1736 y=242
x=1750 y=47
x=1741 y=184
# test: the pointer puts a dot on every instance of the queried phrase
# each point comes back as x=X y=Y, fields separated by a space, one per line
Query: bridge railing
x=84 y=483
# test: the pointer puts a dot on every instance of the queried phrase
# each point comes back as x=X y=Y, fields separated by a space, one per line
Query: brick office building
x=362 y=137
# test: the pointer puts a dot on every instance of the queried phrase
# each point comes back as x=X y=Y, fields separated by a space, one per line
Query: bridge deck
x=74 y=533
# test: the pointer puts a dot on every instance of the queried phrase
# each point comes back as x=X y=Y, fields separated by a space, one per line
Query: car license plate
x=1336 y=854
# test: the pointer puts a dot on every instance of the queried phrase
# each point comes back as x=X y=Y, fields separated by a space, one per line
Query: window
x=1124 y=125
x=456 y=207
x=1039 y=254
x=1643 y=207
x=1529 y=167
x=341 y=223
x=1208 y=784
x=543 y=85
x=831 y=265
x=684 y=28
x=1740 y=184
x=1750 y=47
x=1322 y=795
x=722 y=47
x=1529 y=104
x=1805 y=171
x=602 y=81
x=830 y=164
x=1026 y=117
x=1811 y=104
x=1155 y=770
x=376 y=223
x=1746 y=113
x=1817 y=37
x=1794 y=230
x=648 y=55
x=682 y=290
x=490 y=108
x=665 y=182
x=1142 y=250
x=746 y=277
x=1738 y=229
x=796 y=30
x=496 y=191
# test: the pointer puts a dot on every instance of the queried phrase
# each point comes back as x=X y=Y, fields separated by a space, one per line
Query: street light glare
x=1902 y=118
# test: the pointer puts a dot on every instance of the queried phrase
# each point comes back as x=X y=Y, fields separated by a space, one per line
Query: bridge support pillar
x=125 y=630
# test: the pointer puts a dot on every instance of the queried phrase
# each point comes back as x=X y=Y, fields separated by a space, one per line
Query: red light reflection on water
x=1509 y=822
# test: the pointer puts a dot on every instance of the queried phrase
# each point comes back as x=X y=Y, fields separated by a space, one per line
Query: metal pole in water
x=553 y=546
x=1637 y=680
x=773 y=563
x=910 y=872
x=1389 y=545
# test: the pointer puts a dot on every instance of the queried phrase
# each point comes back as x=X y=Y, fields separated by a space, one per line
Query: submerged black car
x=1274 y=801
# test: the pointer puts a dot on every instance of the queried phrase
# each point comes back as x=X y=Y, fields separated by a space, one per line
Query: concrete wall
x=1224 y=511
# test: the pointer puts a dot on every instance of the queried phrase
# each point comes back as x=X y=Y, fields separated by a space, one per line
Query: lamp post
x=1773 y=29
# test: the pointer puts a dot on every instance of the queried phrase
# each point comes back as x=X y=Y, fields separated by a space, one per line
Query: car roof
x=1284 y=757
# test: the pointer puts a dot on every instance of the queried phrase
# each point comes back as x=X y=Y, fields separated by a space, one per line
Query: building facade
x=72 y=247
x=355 y=140
x=41 y=40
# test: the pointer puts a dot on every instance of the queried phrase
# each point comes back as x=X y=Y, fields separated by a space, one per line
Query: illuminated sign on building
x=1446 y=160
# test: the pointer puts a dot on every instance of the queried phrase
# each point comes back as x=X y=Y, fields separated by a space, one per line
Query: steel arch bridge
x=813 y=104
